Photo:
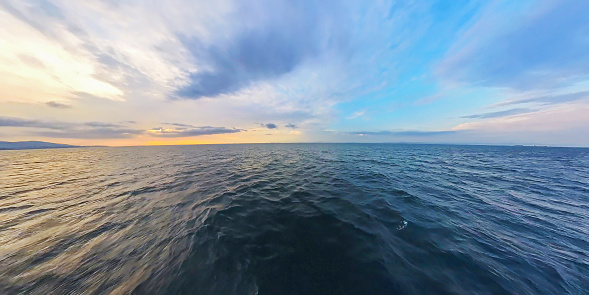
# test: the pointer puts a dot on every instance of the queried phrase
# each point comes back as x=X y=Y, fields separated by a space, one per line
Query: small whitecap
x=402 y=225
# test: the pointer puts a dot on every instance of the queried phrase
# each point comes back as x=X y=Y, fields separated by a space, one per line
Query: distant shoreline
x=33 y=145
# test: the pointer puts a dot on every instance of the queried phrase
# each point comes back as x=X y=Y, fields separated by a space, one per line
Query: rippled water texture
x=295 y=219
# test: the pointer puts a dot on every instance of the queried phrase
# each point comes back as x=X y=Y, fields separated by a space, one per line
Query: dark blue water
x=295 y=219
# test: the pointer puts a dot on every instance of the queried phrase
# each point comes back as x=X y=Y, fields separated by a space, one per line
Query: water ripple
x=295 y=219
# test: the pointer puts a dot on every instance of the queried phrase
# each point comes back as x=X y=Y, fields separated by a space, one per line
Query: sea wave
x=295 y=219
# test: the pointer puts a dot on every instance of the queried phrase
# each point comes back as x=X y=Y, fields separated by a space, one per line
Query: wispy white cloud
x=545 y=48
x=504 y=113
x=32 y=56
x=548 y=99
x=356 y=114
x=560 y=117
x=90 y=47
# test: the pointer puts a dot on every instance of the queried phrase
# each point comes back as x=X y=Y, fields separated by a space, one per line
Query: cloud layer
x=317 y=70
x=546 y=47
x=190 y=132
x=59 y=129
x=102 y=130
x=268 y=39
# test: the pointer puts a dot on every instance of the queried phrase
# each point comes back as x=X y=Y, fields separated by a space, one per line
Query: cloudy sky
x=181 y=71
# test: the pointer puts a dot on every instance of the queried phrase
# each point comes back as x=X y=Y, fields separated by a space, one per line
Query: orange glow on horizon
x=252 y=136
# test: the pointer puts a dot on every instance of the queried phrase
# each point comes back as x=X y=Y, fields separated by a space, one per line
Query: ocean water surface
x=295 y=219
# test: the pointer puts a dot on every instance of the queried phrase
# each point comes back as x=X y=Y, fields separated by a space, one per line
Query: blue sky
x=181 y=72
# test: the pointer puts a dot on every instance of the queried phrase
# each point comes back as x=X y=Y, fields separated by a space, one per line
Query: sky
x=188 y=72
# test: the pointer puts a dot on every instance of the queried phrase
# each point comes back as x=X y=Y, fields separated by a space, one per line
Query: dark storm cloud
x=269 y=125
x=498 y=114
x=283 y=35
x=196 y=131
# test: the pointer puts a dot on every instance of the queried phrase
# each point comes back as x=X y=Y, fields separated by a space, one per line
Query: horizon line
x=311 y=142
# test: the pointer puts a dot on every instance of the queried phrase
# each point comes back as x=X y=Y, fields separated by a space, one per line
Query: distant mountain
x=27 y=145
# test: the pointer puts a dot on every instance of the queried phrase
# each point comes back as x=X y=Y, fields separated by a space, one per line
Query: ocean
x=295 y=219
